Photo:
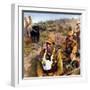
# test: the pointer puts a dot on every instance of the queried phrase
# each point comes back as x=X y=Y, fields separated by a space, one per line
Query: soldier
x=27 y=29
x=51 y=63
x=69 y=42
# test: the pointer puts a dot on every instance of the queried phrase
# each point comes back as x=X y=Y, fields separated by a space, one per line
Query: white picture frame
x=16 y=41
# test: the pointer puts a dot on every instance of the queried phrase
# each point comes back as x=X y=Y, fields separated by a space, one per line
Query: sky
x=41 y=16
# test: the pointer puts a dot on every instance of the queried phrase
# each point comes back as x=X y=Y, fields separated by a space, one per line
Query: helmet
x=50 y=41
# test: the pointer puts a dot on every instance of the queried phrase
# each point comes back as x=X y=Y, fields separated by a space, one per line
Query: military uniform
x=53 y=62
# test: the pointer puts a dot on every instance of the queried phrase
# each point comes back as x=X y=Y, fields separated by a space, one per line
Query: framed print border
x=16 y=50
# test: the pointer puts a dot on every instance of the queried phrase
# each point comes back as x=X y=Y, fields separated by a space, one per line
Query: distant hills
x=60 y=25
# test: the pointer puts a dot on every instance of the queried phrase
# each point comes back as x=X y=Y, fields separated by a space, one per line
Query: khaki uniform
x=57 y=66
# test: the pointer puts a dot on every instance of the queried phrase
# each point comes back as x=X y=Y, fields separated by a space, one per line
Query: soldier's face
x=49 y=47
